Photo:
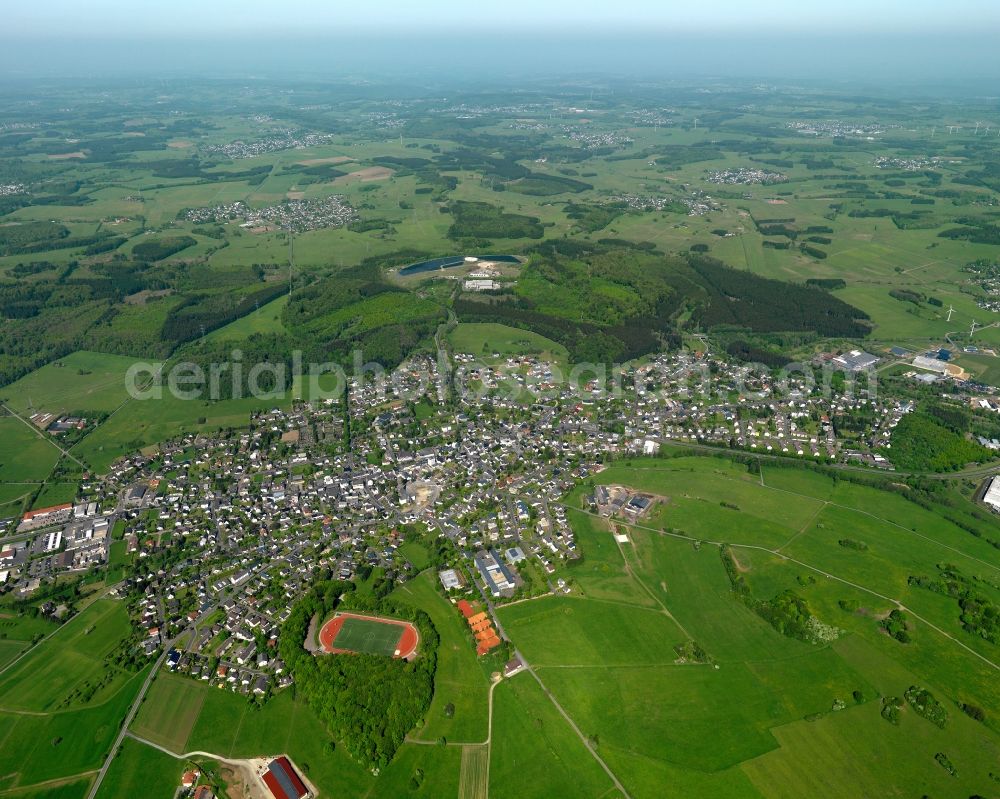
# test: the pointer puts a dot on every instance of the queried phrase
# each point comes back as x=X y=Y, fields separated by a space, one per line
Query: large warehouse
x=282 y=781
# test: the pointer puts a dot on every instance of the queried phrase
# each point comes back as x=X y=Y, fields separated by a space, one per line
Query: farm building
x=638 y=504
x=282 y=781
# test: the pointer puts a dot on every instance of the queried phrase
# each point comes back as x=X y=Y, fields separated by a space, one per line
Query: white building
x=992 y=495
x=450 y=579
x=931 y=364
x=479 y=285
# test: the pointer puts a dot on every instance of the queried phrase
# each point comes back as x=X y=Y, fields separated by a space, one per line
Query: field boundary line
x=55 y=782
x=819 y=571
x=632 y=573
x=889 y=522
x=64 y=710
x=186 y=755
x=569 y=720
x=623 y=604
x=42 y=436
x=806 y=526
x=672 y=664
x=56 y=630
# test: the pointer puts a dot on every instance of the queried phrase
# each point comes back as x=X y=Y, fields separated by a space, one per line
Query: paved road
x=125 y=724
x=130 y=717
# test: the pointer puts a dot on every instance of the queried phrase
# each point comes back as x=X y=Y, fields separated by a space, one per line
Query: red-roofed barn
x=282 y=781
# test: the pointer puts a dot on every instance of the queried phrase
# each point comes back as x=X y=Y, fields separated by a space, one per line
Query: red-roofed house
x=487 y=645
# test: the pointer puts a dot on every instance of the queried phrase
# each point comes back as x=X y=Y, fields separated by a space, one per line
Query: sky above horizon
x=122 y=18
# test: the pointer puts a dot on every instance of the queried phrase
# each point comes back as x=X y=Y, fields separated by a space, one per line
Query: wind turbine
x=977 y=129
x=951 y=310
x=972 y=332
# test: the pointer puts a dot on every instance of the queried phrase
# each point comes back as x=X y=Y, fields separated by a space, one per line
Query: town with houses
x=229 y=531
x=276 y=142
x=293 y=215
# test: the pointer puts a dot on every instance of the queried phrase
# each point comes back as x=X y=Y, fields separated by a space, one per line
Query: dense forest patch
x=922 y=443
x=482 y=221
x=367 y=702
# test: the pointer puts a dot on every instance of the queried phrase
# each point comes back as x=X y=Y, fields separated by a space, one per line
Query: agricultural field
x=169 y=711
x=761 y=631
x=27 y=456
x=140 y=768
x=228 y=726
x=744 y=718
x=53 y=674
x=81 y=382
x=55 y=494
x=158 y=247
x=484 y=340
x=459 y=680
x=40 y=747
x=534 y=753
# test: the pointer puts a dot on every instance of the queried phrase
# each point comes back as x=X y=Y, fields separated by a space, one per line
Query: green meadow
x=80 y=382
x=486 y=339
x=140 y=768
x=27 y=455
x=768 y=715
x=534 y=753
x=459 y=680
x=50 y=674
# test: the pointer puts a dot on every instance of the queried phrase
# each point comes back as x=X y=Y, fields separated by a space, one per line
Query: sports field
x=370 y=635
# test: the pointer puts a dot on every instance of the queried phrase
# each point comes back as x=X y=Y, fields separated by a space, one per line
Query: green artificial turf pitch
x=372 y=637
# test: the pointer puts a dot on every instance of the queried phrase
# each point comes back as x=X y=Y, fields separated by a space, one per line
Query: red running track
x=407 y=645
